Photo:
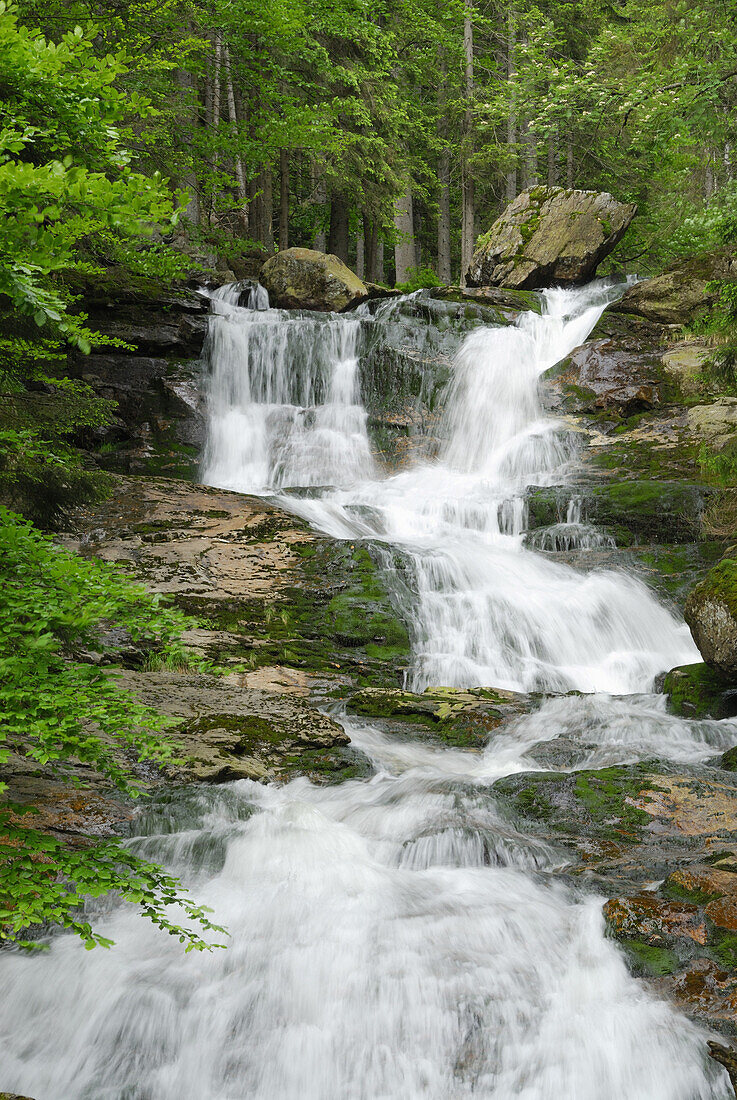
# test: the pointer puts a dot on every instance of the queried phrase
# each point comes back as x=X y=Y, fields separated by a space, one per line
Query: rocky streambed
x=315 y=638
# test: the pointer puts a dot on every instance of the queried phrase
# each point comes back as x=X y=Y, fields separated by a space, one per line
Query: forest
x=154 y=155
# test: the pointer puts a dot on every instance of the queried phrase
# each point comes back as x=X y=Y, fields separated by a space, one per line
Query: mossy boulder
x=457 y=717
x=300 y=278
x=711 y=613
x=682 y=293
x=650 y=511
x=549 y=236
x=510 y=302
x=697 y=691
x=226 y=731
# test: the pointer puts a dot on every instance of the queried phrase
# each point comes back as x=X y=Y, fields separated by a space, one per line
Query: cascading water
x=395 y=938
x=283 y=399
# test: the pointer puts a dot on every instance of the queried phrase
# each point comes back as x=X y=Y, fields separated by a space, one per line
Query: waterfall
x=488 y=611
x=397 y=938
x=282 y=398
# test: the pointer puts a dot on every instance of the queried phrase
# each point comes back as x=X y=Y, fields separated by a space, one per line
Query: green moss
x=720 y=584
x=723 y=946
x=604 y=794
x=696 y=896
x=697 y=691
x=648 y=961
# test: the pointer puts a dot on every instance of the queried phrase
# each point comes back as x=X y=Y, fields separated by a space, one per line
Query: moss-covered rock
x=711 y=613
x=680 y=296
x=462 y=718
x=651 y=511
x=547 y=236
x=697 y=691
x=509 y=302
x=226 y=731
x=300 y=278
x=252 y=571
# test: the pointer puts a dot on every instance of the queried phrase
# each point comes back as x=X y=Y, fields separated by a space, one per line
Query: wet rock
x=616 y=373
x=663 y=846
x=228 y=732
x=300 y=278
x=708 y=993
x=652 y=511
x=727 y=1057
x=549 y=236
x=275 y=593
x=711 y=613
x=679 y=296
x=697 y=691
x=463 y=718
x=653 y=920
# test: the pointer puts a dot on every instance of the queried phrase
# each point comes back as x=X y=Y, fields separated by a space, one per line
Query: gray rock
x=548 y=236
x=711 y=613
x=680 y=294
x=300 y=278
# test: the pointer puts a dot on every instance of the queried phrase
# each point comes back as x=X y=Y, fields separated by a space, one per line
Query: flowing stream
x=395 y=938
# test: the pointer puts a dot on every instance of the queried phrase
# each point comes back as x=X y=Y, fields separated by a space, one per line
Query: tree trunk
x=266 y=235
x=283 y=199
x=511 y=188
x=237 y=162
x=190 y=112
x=216 y=85
x=553 y=158
x=569 y=160
x=319 y=193
x=338 y=236
x=371 y=248
x=444 y=256
x=530 y=158
x=360 y=256
x=404 y=249
x=444 y=182
x=379 y=261
x=468 y=233
x=709 y=175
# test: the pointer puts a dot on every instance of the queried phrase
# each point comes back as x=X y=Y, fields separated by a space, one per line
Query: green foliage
x=65 y=176
x=60 y=711
x=44 y=482
x=718 y=467
x=419 y=277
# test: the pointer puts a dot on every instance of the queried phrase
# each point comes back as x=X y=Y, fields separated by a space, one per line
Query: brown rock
x=723 y=913
x=690 y=807
x=708 y=881
x=227 y=731
x=650 y=918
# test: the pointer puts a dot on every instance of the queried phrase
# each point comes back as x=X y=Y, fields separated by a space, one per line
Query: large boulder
x=550 y=236
x=683 y=292
x=711 y=613
x=300 y=278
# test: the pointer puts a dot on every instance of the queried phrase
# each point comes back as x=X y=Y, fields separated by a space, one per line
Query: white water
x=487 y=611
x=397 y=938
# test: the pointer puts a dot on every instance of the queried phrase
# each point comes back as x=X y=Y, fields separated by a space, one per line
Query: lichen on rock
x=549 y=236
x=301 y=278
x=711 y=613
